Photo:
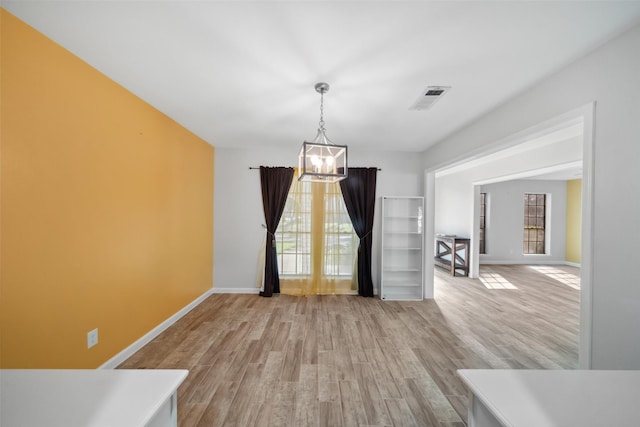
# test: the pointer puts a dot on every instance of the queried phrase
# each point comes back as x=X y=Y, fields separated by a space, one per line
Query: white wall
x=505 y=220
x=454 y=205
x=238 y=213
x=610 y=76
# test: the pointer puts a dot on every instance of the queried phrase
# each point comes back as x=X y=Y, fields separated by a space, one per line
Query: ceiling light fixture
x=322 y=160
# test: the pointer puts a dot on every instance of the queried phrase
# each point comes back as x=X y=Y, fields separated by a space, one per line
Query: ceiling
x=241 y=74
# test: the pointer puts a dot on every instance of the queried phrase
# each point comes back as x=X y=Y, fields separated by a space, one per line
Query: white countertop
x=540 y=398
x=91 y=398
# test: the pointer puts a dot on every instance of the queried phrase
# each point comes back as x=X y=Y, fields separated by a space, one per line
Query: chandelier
x=322 y=160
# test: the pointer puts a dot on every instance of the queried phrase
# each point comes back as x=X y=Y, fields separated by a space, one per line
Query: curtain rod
x=254 y=167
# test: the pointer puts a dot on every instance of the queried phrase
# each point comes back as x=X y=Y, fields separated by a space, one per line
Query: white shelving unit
x=402 y=248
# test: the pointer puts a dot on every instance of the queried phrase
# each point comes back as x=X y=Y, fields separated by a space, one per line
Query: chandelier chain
x=321 y=123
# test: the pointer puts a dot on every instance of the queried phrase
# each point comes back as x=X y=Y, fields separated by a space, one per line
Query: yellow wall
x=574 y=221
x=106 y=209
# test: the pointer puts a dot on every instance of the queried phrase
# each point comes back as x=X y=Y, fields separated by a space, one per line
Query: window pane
x=303 y=264
x=287 y=265
x=339 y=235
x=483 y=222
x=534 y=223
x=287 y=243
x=304 y=242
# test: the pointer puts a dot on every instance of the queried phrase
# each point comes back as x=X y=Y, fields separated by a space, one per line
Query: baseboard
x=254 y=291
x=522 y=262
x=235 y=290
x=129 y=351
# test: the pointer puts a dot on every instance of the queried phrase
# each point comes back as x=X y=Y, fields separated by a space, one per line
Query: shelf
x=402 y=248
x=406 y=294
x=403 y=284
x=403 y=232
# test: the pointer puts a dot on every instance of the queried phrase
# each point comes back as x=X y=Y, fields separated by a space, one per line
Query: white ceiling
x=240 y=73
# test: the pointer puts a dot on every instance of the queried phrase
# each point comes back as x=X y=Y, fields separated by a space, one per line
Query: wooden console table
x=457 y=251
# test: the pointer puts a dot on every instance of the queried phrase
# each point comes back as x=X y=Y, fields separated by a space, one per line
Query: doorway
x=580 y=119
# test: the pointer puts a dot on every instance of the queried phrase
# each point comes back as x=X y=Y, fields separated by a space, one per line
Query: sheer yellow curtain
x=340 y=243
x=315 y=242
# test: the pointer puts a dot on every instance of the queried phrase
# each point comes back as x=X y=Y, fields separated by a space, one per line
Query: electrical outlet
x=92 y=338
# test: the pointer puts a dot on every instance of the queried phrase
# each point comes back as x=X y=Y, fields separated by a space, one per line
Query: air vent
x=429 y=96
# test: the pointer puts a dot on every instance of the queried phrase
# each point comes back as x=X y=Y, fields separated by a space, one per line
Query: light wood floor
x=353 y=361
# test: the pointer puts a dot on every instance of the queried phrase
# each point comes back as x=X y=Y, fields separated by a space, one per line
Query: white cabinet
x=90 y=397
x=402 y=248
x=533 y=397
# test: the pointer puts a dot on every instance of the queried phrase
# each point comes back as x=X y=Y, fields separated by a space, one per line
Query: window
x=293 y=235
x=483 y=221
x=340 y=240
x=316 y=242
x=534 y=223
